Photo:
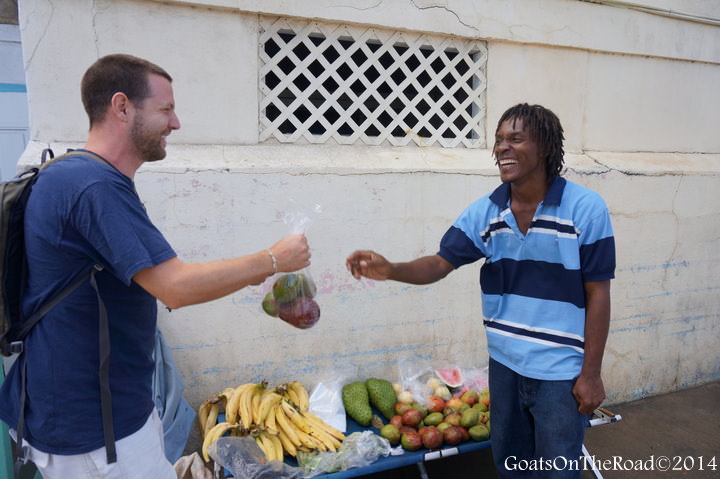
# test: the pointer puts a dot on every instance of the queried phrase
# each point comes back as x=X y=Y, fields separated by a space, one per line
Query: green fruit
x=357 y=403
x=382 y=396
x=269 y=305
x=433 y=419
x=480 y=406
x=479 y=432
x=291 y=286
x=391 y=433
x=444 y=425
x=469 y=418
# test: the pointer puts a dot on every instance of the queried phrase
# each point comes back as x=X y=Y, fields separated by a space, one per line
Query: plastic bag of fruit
x=291 y=296
x=359 y=449
x=243 y=458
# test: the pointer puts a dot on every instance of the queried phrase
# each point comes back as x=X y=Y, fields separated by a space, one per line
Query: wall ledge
x=350 y=160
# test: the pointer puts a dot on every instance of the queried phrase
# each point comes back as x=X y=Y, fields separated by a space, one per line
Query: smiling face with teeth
x=518 y=155
x=154 y=119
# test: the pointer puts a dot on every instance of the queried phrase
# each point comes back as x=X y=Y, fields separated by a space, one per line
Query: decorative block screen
x=323 y=83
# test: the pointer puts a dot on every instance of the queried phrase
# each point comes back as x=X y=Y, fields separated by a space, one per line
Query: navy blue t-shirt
x=83 y=212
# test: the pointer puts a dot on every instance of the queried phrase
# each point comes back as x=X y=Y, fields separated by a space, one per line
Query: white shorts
x=140 y=455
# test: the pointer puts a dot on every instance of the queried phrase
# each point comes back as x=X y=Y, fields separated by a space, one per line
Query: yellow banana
x=268 y=401
x=225 y=394
x=263 y=447
x=268 y=447
x=283 y=423
x=292 y=396
x=247 y=401
x=202 y=415
x=256 y=398
x=295 y=417
x=287 y=444
x=245 y=405
x=232 y=407
x=330 y=442
x=277 y=446
x=212 y=416
x=213 y=435
x=301 y=393
x=271 y=419
x=314 y=420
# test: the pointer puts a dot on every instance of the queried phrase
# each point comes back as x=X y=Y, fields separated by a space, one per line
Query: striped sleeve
x=458 y=249
x=597 y=249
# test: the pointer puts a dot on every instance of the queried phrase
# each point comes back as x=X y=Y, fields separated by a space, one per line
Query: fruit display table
x=406 y=459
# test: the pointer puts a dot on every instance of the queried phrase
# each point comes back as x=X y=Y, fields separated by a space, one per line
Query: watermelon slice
x=452 y=377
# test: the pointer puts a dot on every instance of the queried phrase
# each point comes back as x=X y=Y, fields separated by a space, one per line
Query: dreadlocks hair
x=545 y=128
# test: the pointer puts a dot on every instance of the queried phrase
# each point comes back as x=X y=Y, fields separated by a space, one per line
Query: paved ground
x=683 y=427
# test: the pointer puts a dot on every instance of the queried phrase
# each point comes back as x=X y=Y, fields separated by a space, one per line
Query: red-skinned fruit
x=302 y=313
x=455 y=403
x=453 y=419
x=435 y=404
x=432 y=437
x=406 y=429
x=452 y=435
x=412 y=417
x=470 y=397
x=411 y=441
x=396 y=421
x=401 y=407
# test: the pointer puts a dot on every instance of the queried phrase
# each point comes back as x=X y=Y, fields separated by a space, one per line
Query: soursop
x=357 y=403
x=382 y=396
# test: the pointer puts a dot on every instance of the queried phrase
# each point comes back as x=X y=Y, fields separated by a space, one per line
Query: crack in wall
x=353 y=7
x=447 y=9
x=44 y=32
x=93 y=22
x=677 y=229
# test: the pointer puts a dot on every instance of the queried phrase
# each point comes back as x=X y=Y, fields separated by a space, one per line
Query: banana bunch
x=277 y=418
x=300 y=430
x=210 y=409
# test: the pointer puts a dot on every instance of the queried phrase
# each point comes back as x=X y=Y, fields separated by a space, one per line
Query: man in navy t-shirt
x=549 y=255
x=84 y=212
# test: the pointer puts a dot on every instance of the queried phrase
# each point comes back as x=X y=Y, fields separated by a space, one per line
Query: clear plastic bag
x=326 y=403
x=244 y=459
x=359 y=449
x=291 y=296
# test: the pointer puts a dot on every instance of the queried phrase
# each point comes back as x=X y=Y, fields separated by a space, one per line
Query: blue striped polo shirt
x=533 y=297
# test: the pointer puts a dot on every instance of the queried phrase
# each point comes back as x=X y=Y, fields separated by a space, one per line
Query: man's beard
x=148 y=144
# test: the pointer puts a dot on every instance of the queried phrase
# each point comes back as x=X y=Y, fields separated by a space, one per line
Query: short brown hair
x=112 y=74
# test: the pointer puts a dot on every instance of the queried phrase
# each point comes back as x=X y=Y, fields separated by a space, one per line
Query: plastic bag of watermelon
x=291 y=296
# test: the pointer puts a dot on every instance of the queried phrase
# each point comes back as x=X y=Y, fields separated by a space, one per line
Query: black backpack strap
x=20 y=451
x=103 y=372
x=17 y=346
x=104 y=375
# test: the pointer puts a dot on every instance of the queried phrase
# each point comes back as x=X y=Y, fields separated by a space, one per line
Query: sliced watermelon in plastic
x=452 y=377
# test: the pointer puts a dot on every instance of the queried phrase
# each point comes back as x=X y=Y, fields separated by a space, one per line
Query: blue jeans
x=536 y=429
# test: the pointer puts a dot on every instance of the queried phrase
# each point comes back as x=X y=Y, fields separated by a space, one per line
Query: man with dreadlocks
x=549 y=257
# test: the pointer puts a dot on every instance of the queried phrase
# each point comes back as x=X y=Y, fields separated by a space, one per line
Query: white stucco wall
x=638 y=97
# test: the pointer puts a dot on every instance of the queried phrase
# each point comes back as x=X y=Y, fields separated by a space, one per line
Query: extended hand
x=368 y=264
x=292 y=253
